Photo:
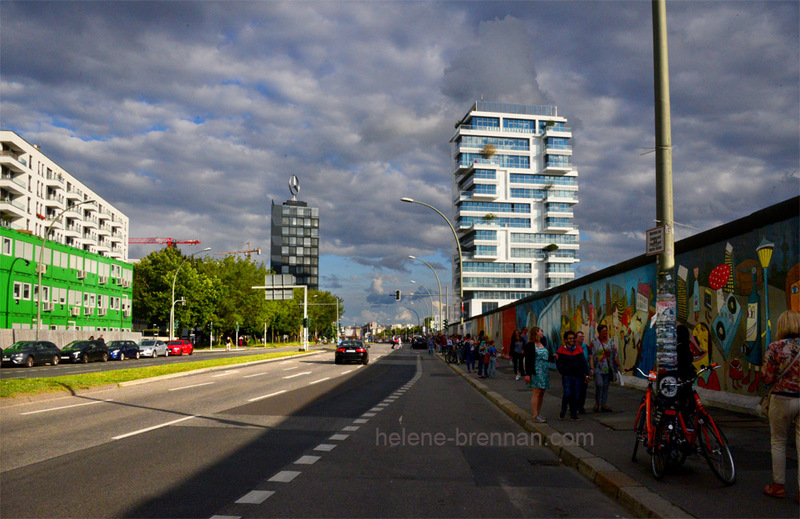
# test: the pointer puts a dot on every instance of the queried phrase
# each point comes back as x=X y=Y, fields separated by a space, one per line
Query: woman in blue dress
x=537 y=373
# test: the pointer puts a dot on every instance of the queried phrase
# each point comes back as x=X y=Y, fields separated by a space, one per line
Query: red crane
x=171 y=242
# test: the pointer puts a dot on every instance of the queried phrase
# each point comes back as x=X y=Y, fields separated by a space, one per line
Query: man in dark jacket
x=574 y=370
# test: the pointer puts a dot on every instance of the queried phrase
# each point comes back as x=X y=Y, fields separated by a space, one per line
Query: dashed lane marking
x=267 y=396
x=65 y=407
x=298 y=375
x=284 y=476
x=318 y=381
x=188 y=387
x=307 y=460
x=153 y=428
x=255 y=497
x=325 y=447
x=339 y=437
x=225 y=374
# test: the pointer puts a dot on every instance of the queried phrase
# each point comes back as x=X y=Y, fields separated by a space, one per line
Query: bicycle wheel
x=639 y=430
x=715 y=450
x=659 y=459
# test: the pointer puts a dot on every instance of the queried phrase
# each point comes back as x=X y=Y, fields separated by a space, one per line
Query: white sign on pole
x=656 y=240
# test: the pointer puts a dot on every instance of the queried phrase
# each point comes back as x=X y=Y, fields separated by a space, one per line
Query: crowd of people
x=580 y=363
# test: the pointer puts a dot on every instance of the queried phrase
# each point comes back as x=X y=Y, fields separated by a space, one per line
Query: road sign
x=656 y=240
x=275 y=287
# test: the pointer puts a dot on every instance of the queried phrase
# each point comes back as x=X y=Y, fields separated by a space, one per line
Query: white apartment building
x=35 y=192
x=514 y=190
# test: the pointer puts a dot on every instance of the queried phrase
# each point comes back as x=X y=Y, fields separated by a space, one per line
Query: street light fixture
x=458 y=246
x=437 y=283
x=174 y=278
x=40 y=266
x=429 y=295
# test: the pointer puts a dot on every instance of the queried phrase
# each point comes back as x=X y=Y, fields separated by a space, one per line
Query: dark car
x=419 y=343
x=179 y=347
x=121 y=350
x=85 y=351
x=351 y=351
x=28 y=353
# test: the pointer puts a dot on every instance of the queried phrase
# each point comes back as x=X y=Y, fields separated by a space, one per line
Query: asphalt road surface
x=303 y=437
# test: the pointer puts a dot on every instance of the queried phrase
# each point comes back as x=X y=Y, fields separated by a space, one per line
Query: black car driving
x=351 y=351
x=84 y=351
x=28 y=353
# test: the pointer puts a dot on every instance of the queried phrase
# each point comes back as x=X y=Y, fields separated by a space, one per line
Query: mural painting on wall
x=721 y=296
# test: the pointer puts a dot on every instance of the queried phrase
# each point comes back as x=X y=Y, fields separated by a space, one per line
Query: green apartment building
x=80 y=290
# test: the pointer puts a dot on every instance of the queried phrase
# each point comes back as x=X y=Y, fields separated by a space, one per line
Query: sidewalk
x=603 y=444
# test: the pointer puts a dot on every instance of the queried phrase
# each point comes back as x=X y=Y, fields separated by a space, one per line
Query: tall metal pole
x=441 y=323
x=174 y=278
x=458 y=247
x=40 y=265
x=429 y=295
x=667 y=358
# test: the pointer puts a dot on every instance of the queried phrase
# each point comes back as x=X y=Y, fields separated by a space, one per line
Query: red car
x=179 y=347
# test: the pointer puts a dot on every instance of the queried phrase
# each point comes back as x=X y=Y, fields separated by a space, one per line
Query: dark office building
x=295 y=242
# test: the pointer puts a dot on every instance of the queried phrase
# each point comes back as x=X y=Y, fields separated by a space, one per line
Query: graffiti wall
x=732 y=284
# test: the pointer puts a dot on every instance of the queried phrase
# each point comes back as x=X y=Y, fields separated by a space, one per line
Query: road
x=300 y=437
x=65 y=368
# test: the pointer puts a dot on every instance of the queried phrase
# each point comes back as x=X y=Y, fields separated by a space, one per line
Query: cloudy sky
x=191 y=116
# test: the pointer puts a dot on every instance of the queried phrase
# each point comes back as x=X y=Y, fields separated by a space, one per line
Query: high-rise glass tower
x=294 y=245
x=514 y=189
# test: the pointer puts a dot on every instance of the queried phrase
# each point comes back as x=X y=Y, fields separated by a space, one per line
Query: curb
x=623 y=489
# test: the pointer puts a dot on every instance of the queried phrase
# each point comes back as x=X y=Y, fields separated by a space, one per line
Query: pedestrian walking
x=517 y=347
x=585 y=383
x=430 y=346
x=469 y=353
x=492 y=351
x=483 y=357
x=574 y=370
x=782 y=373
x=537 y=372
x=603 y=366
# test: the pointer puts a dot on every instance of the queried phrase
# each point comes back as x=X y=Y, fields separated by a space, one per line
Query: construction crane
x=248 y=252
x=171 y=242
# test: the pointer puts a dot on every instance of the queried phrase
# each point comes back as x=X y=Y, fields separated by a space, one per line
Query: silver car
x=152 y=348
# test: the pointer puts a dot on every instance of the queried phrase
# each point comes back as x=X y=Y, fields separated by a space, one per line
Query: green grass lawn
x=32 y=386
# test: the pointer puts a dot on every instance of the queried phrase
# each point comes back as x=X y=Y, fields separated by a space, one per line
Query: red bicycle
x=669 y=436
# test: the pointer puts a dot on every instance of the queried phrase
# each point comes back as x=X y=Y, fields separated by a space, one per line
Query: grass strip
x=10 y=388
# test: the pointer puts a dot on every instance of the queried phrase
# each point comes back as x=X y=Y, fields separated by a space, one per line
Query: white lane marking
x=267 y=396
x=284 y=476
x=255 y=497
x=226 y=373
x=287 y=361
x=369 y=415
x=65 y=407
x=350 y=428
x=346 y=372
x=318 y=381
x=257 y=374
x=376 y=409
x=360 y=420
x=226 y=517
x=153 y=428
x=298 y=374
x=326 y=447
x=290 y=369
x=307 y=460
x=188 y=387
x=338 y=437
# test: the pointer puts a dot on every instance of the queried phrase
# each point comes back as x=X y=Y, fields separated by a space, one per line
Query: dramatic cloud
x=191 y=116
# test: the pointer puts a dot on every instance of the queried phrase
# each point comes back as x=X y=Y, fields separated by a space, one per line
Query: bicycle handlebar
x=652 y=375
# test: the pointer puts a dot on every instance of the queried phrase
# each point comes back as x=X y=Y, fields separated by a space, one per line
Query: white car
x=152 y=348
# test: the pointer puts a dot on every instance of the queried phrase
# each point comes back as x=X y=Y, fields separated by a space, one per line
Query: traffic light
x=397 y=295
x=305 y=322
x=445 y=323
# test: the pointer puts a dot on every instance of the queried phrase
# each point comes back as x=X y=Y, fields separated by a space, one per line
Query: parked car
x=28 y=353
x=351 y=351
x=121 y=350
x=85 y=351
x=153 y=348
x=179 y=347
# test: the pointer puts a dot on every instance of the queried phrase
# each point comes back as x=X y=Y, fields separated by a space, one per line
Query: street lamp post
x=458 y=246
x=441 y=323
x=40 y=265
x=175 y=278
x=429 y=295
